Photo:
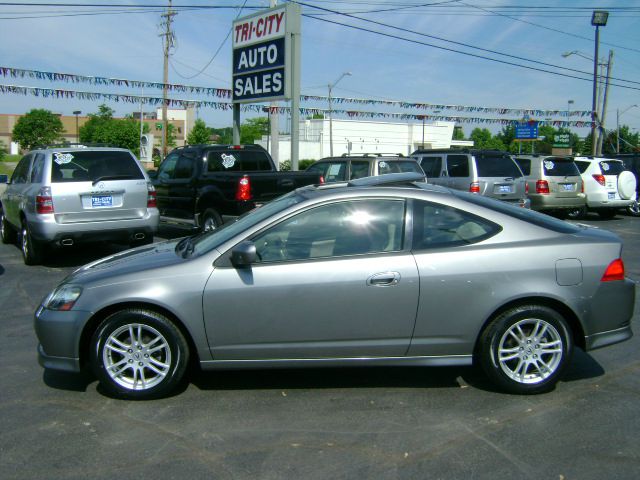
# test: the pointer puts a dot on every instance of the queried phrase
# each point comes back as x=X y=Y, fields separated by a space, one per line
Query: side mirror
x=244 y=254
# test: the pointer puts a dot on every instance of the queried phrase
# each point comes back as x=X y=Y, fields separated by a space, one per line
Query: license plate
x=98 y=201
x=504 y=189
x=612 y=195
x=567 y=187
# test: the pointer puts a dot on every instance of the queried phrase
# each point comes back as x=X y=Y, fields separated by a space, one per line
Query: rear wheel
x=210 y=220
x=634 y=209
x=32 y=250
x=7 y=233
x=139 y=354
x=525 y=349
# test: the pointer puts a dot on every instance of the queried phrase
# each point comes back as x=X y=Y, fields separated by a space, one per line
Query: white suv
x=607 y=185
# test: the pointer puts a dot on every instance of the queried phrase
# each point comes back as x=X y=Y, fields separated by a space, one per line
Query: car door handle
x=384 y=279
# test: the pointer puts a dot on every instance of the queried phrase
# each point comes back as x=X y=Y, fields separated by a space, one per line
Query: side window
x=440 y=226
x=458 y=165
x=336 y=172
x=37 y=169
x=432 y=166
x=318 y=169
x=184 y=167
x=22 y=170
x=339 y=229
x=168 y=167
x=525 y=165
x=582 y=166
x=359 y=169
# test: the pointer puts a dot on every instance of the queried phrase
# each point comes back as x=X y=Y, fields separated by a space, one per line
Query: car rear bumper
x=550 y=202
x=611 y=337
x=602 y=200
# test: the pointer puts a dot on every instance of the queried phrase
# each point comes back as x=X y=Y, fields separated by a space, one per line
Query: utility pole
x=167 y=46
x=274 y=118
x=603 y=132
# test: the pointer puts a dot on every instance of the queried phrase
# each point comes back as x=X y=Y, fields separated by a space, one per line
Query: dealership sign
x=261 y=55
x=527 y=130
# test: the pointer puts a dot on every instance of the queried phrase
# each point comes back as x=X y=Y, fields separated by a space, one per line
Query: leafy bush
x=302 y=164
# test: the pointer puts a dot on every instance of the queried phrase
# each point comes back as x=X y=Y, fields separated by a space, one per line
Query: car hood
x=129 y=262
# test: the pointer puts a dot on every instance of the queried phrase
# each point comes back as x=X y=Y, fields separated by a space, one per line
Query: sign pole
x=236 y=124
x=295 y=85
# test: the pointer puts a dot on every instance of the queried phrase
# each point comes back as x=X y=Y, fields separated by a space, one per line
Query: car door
x=332 y=282
x=458 y=172
x=175 y=185
x=16 y=191
x=432 y=166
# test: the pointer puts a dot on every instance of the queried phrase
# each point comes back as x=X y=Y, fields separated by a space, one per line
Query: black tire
x=210 y=220
x=7 y=233
x=154 y=364
x=32 y=250
x=634 y=209
x=607 y=213
x=575 y=213
x=515 y=344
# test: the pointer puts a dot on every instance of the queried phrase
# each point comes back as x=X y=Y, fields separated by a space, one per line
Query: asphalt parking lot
x=375 y=423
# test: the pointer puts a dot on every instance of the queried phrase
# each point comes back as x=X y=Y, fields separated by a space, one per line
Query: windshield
x=205 y=242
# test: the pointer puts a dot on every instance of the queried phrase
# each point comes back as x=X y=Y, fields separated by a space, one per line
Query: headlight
x=63 y=298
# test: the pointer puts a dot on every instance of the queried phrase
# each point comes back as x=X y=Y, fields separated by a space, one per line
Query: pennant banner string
x=61 y=94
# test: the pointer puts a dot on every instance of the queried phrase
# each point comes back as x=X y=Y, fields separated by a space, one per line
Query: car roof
x=78 y=148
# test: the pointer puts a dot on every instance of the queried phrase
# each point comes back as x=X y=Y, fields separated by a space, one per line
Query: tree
x=225 y=135
x=199 y=133
x=482 y=138
x=253 y=129
x=103 y=128
x=458 y=133
x=36 y=128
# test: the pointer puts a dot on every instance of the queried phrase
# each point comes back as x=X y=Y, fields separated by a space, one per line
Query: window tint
x=359 y=169
x=611 y=167
x=497 y=166
x=438 y=226
x=432 y=166
x=457 y=165
x=525 y=165
x=582 y=166
x=168 y=167
x=37 y=169
x=21 y=171
x=82 y=166
x=237 y=161
x=559 y=167
x=185 y=166
x=343 y=228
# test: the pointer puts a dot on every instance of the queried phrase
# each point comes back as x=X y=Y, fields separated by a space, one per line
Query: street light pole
x=76 y=113
x=598 y=19
x=331 y=85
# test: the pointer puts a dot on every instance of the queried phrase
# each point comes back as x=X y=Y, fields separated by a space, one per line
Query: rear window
x=524 y=214
x=238 y=161
x=385 y=166
x=83 y=166
x=611 y=167
x=559 y=167
x=497 y=166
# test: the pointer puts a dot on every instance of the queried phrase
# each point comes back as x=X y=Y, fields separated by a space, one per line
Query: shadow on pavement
x=75 y=382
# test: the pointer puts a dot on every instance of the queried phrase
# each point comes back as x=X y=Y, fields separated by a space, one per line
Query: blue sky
x=118 y=43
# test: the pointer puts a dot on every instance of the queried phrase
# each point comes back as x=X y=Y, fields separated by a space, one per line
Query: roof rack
x=372 y=154
x=388 y=179
x=79 y=145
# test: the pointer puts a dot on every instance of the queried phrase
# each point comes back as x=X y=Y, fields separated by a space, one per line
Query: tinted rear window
x=497 y=166
x=385 y=166
x=611 y=167
x=237 y=161
x=524 y=214
x=83 y=166
x=432 y=166
x=559 y=167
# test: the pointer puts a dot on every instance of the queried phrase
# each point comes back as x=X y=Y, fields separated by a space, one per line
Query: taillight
x=526 y=188
x=542 y=186
x=581 y=186
x=243 y=193
x=321 y=179
x=615 y=271
x=151 y=196
x=474 y=187
x=44 y=201
x=600 y=179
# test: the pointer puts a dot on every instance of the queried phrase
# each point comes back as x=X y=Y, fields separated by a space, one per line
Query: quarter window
x=457 y=165
x=22 y=170
x=335 y=230
x=439 y=226
x=432 y=166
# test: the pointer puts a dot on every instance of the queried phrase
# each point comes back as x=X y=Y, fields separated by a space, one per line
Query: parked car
x=632 y=163
x=202 y=186
x=350 y=167
x=384 y=270
x=491 y=173
x=607 y=185
x=62 y=196
x=553 y=183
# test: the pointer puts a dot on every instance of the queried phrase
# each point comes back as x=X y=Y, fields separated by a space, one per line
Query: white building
x=362 y=136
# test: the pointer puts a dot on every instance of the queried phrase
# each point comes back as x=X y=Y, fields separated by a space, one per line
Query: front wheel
x=525 y=349
x=139 y=354
x=210 y=220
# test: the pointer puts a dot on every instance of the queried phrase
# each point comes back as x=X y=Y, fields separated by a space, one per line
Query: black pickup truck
x=204 y=185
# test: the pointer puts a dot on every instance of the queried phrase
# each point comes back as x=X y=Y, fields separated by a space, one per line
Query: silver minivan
x=491 y=173
x=62 y=196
